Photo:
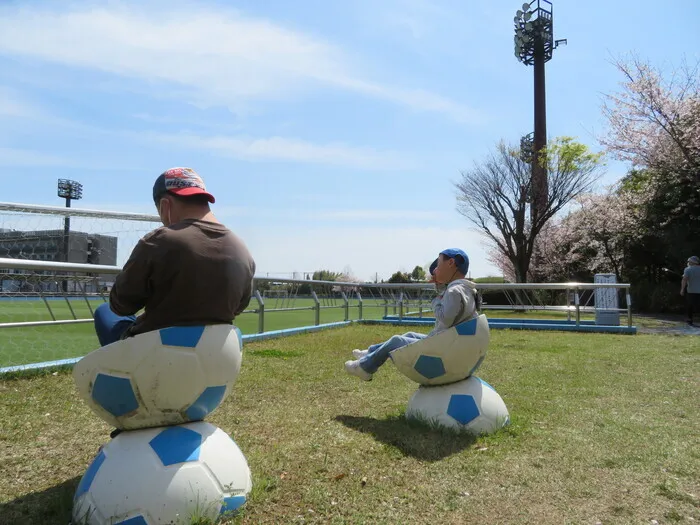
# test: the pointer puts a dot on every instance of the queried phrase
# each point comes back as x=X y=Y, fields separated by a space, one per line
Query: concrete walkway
x=666 y=324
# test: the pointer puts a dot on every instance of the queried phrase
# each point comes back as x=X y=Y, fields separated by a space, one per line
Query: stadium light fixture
x=69 y=190
x=533 y=46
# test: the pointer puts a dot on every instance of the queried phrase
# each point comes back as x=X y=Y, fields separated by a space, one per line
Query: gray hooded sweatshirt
x=454 y=305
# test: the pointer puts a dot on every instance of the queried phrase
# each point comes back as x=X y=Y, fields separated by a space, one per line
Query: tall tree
x=496 y=195
x=418 y=274
x=654 y=122
x=399 y=277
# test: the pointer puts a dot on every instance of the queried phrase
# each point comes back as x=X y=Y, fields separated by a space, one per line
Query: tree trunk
x=522 y=265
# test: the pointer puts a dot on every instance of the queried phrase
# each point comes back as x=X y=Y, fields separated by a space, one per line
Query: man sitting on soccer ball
x=456 y=302
x=192 y=271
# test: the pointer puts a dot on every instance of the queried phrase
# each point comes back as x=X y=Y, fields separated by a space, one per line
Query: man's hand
x=682 y=292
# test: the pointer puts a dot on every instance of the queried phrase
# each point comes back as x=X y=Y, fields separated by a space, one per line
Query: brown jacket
x=190 y=273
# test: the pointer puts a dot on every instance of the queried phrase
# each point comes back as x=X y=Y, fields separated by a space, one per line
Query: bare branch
x=495 y=196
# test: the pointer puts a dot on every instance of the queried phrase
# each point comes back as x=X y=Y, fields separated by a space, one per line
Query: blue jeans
x=110 y=326
x=379 y=353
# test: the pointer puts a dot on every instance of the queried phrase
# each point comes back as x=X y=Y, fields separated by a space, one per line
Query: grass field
x=604 y=429
x=36 y=310
x=24 y=345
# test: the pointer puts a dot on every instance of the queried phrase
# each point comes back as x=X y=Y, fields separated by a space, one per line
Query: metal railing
x=400 y=298
x=76 y=212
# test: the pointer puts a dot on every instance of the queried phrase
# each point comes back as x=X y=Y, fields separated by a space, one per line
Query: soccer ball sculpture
x=471 y=404
x=451 y=355
x=450 y=395
x=163 y=475
x=165 y=377
x=167 y=465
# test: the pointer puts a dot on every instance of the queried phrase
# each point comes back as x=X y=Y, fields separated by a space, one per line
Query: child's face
x=445 y=270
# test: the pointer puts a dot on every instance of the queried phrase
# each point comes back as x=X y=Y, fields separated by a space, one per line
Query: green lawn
x=36 y=310
x=24 y=345
x=604 y=428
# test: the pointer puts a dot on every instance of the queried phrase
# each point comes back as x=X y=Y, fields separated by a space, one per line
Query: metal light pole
x=70 y=190
x=534 y=44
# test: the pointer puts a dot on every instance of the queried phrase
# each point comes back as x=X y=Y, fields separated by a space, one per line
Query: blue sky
x=330 y=132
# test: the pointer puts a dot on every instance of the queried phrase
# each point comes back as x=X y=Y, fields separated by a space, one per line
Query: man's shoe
x=359 y=354
x=354 y=369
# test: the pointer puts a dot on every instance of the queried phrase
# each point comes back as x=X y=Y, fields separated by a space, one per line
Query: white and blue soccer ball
x=470 y=405
x=163 y=475
x=164 y=377
x=452 y=355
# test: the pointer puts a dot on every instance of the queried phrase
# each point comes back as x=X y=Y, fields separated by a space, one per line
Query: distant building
x=47 y=245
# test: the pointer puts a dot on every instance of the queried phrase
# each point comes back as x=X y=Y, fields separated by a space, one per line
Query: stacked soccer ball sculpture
x=449 y=394
x=167 y=465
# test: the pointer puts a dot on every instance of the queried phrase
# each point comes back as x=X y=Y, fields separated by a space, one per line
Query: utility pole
x=534 y=44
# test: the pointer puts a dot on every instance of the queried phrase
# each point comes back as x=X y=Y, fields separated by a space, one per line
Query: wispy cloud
x=287 y=149
x=26 y=158
x=241 y=147
x=417 y=18
x=12 y=104
x=15 y=107
x=209 y=57
x=14 y=157
x=178 y=120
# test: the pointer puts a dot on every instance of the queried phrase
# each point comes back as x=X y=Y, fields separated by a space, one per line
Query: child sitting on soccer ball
x=455 y=303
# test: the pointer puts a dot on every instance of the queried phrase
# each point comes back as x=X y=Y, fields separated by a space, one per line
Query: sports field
x=24 y=345
x=37 y=344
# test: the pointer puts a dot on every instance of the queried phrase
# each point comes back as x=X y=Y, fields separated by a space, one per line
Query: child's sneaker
x=354 y=369
x=359 y=354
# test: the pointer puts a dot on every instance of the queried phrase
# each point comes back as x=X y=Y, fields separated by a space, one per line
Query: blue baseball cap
x=452 y=253
x=433 y=266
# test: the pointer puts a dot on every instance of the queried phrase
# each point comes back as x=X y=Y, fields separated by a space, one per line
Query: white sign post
x=606 y=302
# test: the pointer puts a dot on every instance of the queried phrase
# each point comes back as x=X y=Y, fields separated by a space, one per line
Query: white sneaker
x=359 y=354
x=354 y=369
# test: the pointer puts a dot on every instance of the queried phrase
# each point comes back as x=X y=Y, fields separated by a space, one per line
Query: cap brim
x=433 y=266
x=187 y=192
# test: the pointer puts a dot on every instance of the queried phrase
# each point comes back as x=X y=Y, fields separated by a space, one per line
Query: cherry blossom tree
x=654 y=122
x=597 y=233
x=504 y=265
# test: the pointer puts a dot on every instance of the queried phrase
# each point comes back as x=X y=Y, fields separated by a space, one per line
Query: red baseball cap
x=180 y=181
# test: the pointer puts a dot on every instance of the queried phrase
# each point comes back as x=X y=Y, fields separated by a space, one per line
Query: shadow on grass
x=53 y=505
x=411 y=438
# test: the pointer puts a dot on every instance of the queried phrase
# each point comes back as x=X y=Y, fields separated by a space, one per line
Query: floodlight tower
x=70 y=190
x=534 y=44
